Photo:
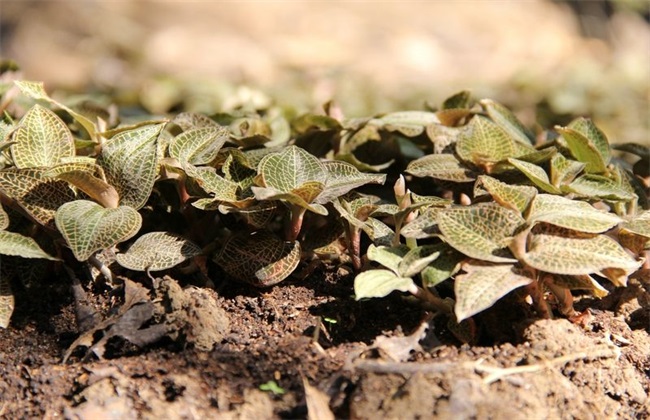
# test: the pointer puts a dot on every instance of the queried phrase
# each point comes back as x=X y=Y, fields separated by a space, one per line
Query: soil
x=213 y=352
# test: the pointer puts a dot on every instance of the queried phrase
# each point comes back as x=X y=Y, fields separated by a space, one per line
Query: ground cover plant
x=460 y=207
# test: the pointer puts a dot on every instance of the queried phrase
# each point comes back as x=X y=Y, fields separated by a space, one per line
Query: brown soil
x=312 y=332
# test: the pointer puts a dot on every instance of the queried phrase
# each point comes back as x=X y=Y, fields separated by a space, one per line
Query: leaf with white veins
x=156 y=251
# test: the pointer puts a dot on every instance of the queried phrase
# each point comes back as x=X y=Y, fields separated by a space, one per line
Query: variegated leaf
x=571 y=214
x=379 y=233
x=508 y=121
x=190 y=120
x=635 y=234
x=483 y=285
x=291 y=168
x=596 y=186
x=482 y=231
x=536 y=175
x=485 y=142
x=157 y=251
x=88 y=227
x=342 y=178
x=582 y=282
x=578 y=255
x=198 y=146
x=36 y=90
x=87 y=177
x=563 y=170
x=302 y=196
x=38 y=196
x=423 y=226
x=259 y=258
x=41 y=139
x=6 y=302
x=4 y=219
x=597 y=138
x=514 y=197
x=12 y=243
x=440 y=166
x=380 y=283
x=583 y=149
x=130 y=161
x=222 y=189
x=409 y=123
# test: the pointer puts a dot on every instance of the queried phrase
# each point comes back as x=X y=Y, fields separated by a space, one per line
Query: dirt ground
x=383 y=358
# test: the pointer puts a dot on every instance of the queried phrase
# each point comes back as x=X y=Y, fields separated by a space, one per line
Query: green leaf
x=446 y=265
x=564 y=170
x=130 y=162
x=592 y=186
x=597 y=138
x=514 y=197
x=536 y=174
x=88 y=227
x=342 y=178
x=389 y=257
x=408 y=123
x=355 y=208
x=571 y=214
x=417 y=259
x=222 y=189
x=198 y=146
x=508 y=121
x=458 y=100
x=380 y=283
x=36 y=90
x=21 y=246
x=157 y=251
x=190 y=120
x=482 y=232
x=483 y=142
x=577 y=255
x=584 y=150
x=290 y=169
x=378 y=232
x=38 y=196
x=6 y=302
x=41 y=139
x=635 y=234
x=483 y=285
x=440 y=166
x=87 y=177
x=259 y=258
x=4 y=219
x=423 y=226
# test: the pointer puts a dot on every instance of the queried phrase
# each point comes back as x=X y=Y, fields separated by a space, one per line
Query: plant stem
x=437 y=303
x=292 y=228
x=353 y=235
x=540 y=305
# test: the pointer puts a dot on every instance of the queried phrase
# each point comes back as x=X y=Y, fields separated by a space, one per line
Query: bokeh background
x=547 y=60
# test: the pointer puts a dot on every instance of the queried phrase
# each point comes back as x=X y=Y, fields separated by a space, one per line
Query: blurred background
x=547 y=60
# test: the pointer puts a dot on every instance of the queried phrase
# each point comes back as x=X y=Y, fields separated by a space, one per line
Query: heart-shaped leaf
x=440 y=166
x=88 y=227
x=577 y=255
x=87 y=177
x=483 y=142
x=12 y=243
x=508 y=121
x=482 y=232
x=571 y=214
x=38 y=196
x=130 y=162
x=290 y=168
x=380 y=283
x=260 y=258
x=514 y=197
x=198 y=146
x=157 y=251
x=483 y=285
x=41 y=139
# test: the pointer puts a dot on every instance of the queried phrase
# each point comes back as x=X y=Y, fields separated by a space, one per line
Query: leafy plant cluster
x=260 y=191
